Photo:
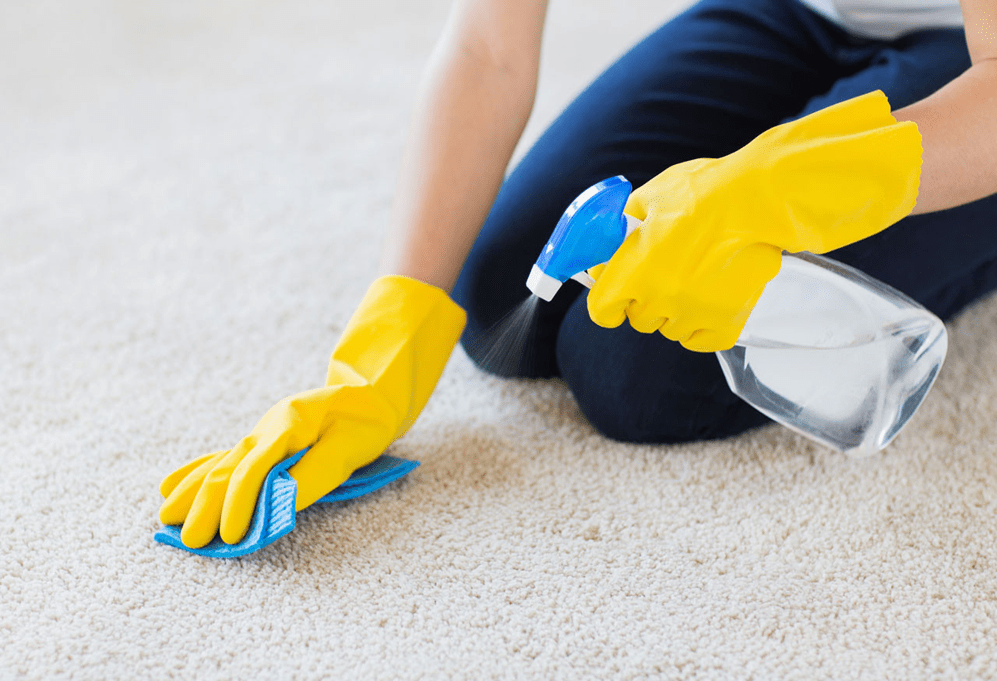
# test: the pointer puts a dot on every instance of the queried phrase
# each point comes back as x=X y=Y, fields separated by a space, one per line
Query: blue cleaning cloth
x=275 y=516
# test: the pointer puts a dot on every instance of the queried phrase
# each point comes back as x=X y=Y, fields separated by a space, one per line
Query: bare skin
x=478 y=94
x=958 y=123
x=472 y=107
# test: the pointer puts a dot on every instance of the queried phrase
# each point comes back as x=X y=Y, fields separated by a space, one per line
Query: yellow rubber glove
x=381 y=375
x=714 y=230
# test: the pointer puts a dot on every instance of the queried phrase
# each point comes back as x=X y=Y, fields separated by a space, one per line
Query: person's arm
x=958 y=124
x=474 y=102
x=471 y=111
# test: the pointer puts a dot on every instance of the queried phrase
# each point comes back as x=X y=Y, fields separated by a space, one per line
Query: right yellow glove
x=380 y=376
x=714 y=230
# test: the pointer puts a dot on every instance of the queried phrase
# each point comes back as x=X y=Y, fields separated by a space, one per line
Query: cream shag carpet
x=192 y=197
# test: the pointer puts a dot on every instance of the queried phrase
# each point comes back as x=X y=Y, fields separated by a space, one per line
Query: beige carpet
x=191 y=200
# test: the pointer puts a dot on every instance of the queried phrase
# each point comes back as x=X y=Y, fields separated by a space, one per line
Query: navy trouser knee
x=639 y=387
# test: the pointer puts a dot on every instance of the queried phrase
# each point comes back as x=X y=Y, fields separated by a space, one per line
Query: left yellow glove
x=714 y=230
x=381 y=374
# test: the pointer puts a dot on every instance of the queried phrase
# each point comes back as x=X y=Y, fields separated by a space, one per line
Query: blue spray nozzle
x=591 y=229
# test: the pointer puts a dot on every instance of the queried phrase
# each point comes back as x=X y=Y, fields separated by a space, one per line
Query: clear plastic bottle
x=836 y=355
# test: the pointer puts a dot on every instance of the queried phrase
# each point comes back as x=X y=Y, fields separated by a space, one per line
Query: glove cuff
x=399 y=340
x=839 y=175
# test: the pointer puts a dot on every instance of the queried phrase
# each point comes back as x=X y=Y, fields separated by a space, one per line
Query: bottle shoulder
x=819 y=303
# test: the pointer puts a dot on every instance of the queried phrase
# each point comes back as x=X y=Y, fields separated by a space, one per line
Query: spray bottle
x=827 y=351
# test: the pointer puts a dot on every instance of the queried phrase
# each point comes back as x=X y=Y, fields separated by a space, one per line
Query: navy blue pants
x=703 y=85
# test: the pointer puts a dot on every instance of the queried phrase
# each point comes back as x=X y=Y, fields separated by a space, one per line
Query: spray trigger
x=588 y=233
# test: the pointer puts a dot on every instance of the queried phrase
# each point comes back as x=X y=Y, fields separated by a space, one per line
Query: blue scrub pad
x=275 y=516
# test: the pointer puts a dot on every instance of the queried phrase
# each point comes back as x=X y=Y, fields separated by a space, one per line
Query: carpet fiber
x=192 y=196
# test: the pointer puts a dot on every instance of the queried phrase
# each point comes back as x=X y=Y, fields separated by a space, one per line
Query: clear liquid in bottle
x=835 y=355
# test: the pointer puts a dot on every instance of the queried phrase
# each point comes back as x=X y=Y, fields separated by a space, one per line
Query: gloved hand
x=381 y=375
x=714 y=230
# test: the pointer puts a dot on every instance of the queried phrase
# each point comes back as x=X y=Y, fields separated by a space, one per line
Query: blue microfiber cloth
x=275 y=516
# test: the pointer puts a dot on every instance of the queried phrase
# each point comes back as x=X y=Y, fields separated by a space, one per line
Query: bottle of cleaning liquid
x=827 y=351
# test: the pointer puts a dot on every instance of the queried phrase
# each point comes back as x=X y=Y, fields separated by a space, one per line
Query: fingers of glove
x=171 y=481
x=647 y=324
x=722 y=333
x=201 y=524
x=175 y=508
x=345 y=447
x=628 y=276
x=678 y=329
x=711 y=340
x=611 y=295
x=320 y=470
x=644 y=318
x=244 y=484
x=606 y=313
x=737 y=294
